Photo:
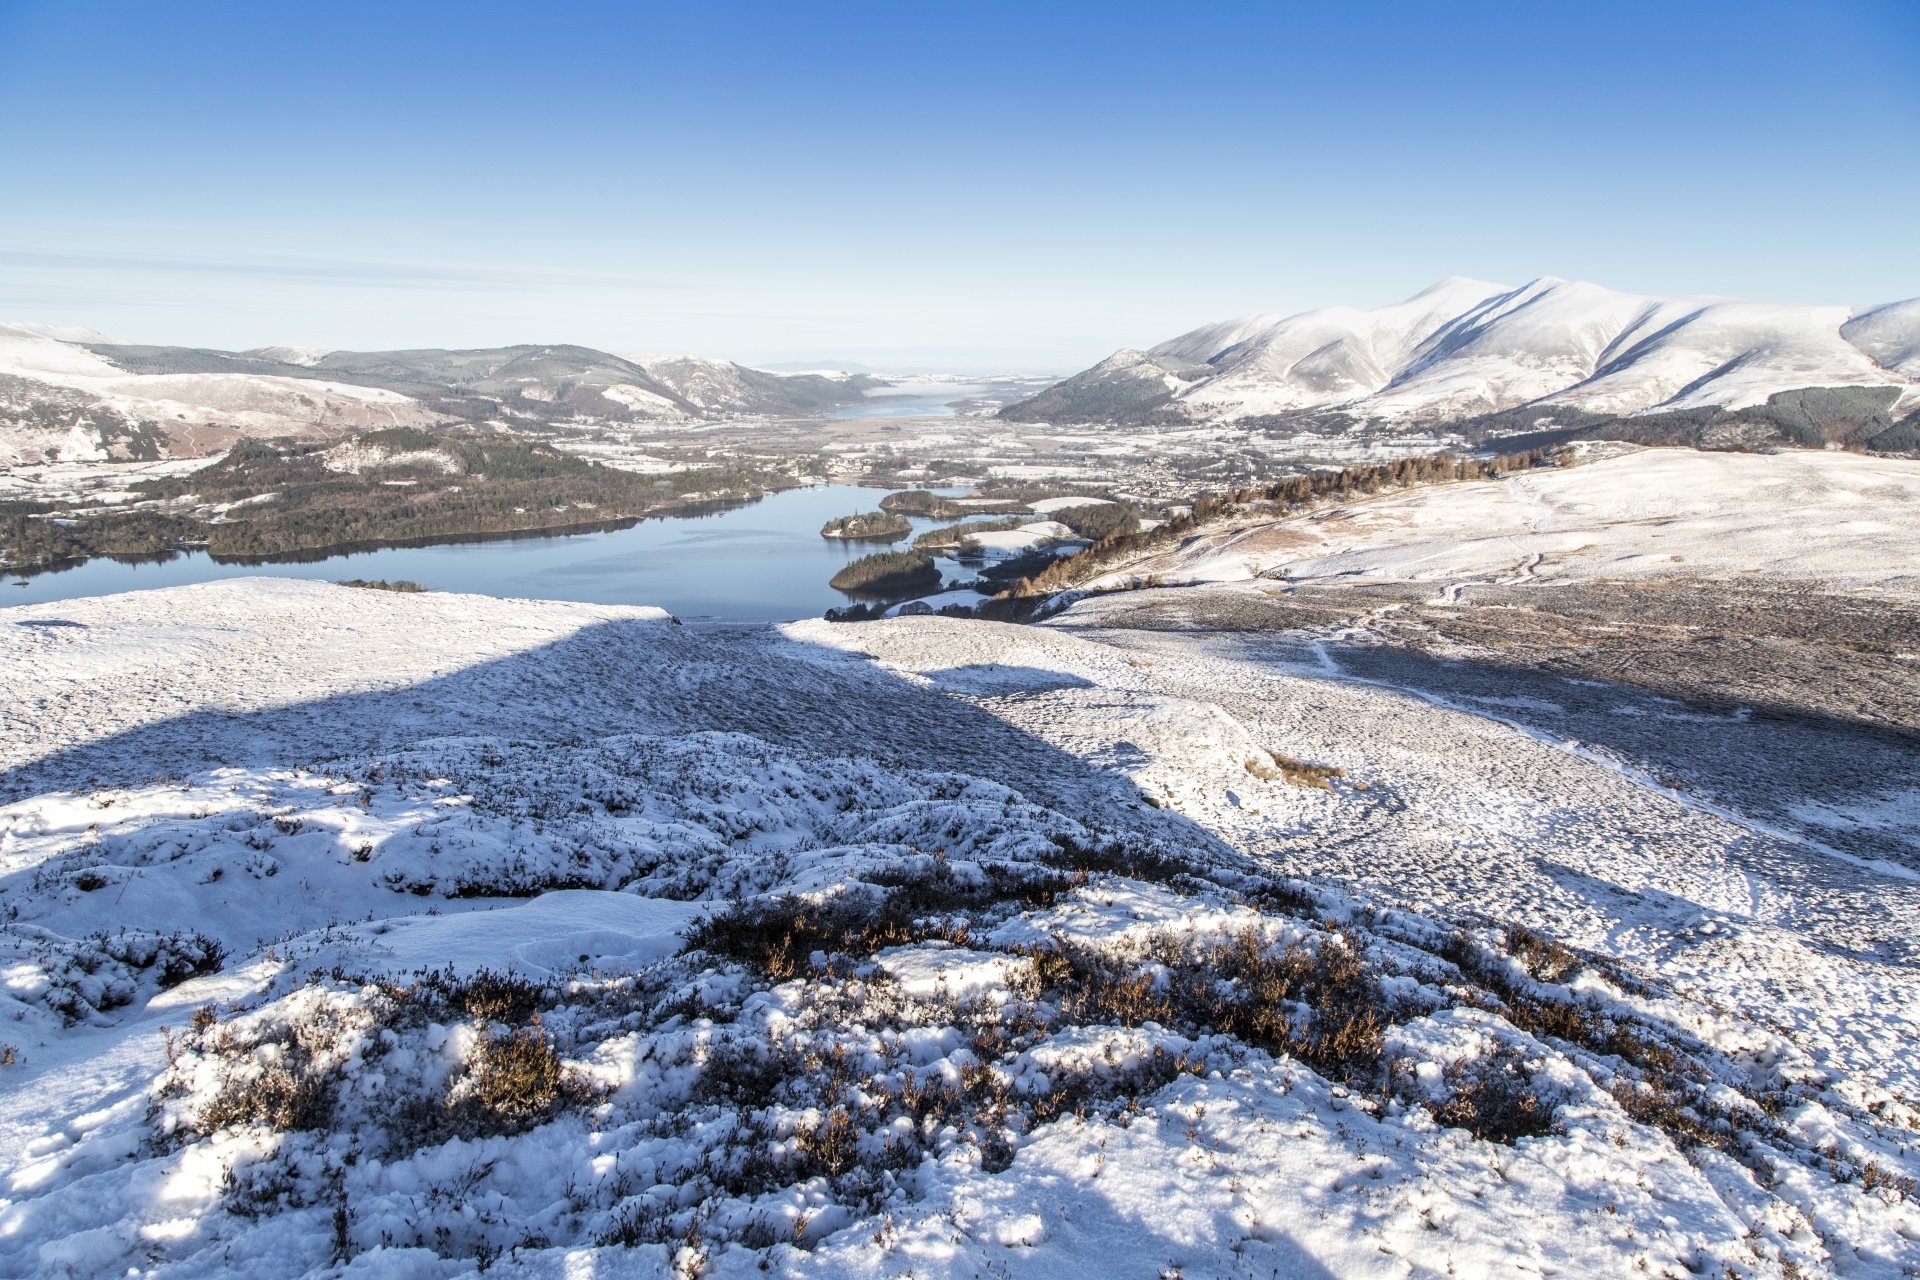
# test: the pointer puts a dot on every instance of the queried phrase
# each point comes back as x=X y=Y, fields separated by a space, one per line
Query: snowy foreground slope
x=555 y=940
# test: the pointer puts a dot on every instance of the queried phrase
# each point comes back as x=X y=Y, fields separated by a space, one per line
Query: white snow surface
x=57 y=332
x=1466 y=347
x=337 y=785
x=1047 y=506
x=1005 y=544
x=1889 y=334
x=1830 y=516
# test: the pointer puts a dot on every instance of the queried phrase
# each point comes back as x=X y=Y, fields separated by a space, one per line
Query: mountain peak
x=1463 y=348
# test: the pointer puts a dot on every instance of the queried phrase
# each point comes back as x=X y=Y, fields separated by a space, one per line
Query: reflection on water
x=762 y=561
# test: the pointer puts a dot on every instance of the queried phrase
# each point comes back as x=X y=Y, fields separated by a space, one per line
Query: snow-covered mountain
x=1467 y=348
x=723 y=387
x=72 y=393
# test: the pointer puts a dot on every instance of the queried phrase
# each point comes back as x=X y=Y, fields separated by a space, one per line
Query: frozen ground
x=1843 y=519
x=1079 y=984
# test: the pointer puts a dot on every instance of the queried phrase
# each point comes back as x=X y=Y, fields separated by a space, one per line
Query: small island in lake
x=888 y=571
x=868 y=526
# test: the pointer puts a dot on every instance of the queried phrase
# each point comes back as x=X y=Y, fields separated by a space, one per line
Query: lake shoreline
x=760 y=559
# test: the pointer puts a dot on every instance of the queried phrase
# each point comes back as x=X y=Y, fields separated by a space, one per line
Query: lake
x=913 y=398
x=761 y=562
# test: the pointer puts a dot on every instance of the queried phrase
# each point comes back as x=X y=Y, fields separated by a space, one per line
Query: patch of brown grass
x=515 y=1078
x=1302 y=774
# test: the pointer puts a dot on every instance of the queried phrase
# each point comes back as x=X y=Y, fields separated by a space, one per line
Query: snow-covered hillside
x=60 y=399
x=1837 y=518
x=353 y=933
x=1468 y=348
x=70 y=394
x=721 y=387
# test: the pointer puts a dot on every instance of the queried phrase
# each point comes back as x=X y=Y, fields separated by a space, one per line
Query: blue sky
x=1021 y=185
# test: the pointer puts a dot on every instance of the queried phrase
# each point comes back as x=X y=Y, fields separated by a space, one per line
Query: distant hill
x=1550 y=355
x=76 y=394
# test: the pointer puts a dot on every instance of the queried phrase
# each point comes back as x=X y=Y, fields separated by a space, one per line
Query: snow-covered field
x=1006 y=544
x=1841 y=518
x=924 y=947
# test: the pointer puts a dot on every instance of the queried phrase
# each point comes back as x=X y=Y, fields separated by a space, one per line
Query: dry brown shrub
x=1891 y=1187
x=492 y=996
x=1494 y=1099
x=832 y=1145
x=778 y=936
x=1544 y=958
x=295 y=1092
x=515 y=1077
x=1302 y=774
x=1237 y=986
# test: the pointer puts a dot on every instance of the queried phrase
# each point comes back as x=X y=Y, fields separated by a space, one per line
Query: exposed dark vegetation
x=1667 y=1085
x=34 y=534
x=1495 y=1098
x=881 y=526
x=918 y=502
x=828 y=1094
x=1099 y=520
x=105 y=971
x=888 y=571
x=282 y=499
x=30 y=405
x=871 y=610
x=405 y=585
x=1318 y=1000
x=1857 y=418
x=1298 y=772
x=512 y=1076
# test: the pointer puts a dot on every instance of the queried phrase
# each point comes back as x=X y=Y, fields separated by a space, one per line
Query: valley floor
x=1552 y=967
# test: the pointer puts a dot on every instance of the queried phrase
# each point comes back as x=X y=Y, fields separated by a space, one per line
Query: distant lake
x=912 y=398
x=761 y=562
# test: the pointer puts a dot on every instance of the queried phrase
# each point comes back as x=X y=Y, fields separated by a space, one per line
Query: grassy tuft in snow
x=401 y=1066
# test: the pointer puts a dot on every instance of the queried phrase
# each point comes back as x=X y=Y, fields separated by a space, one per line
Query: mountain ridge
x=75 y=394
x=1464 y=350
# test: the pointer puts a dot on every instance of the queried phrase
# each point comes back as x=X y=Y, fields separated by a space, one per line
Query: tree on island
x=874 y=526
x=888 y=571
